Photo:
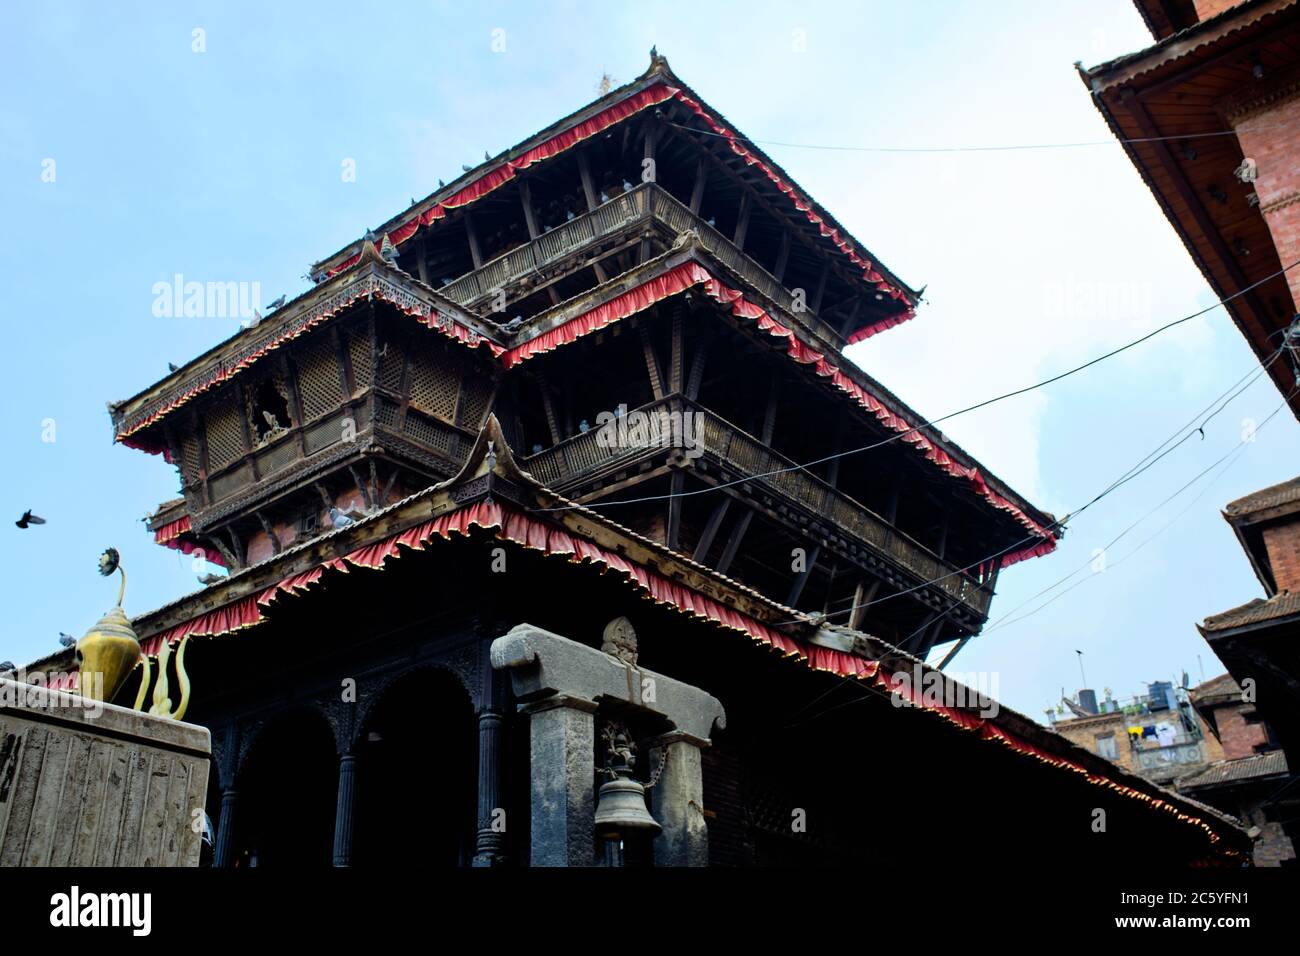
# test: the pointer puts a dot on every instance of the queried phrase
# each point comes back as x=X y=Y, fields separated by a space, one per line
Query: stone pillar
x=679 y=803
x=344 y=813
x=563 y=753
x=226 y=829
x=489 y=844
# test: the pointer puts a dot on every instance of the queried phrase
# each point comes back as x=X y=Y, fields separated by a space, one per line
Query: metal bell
x=620 y=808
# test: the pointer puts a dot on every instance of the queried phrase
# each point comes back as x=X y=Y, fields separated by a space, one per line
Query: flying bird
x=29 y=519
x=67 y=640
x=276 y=304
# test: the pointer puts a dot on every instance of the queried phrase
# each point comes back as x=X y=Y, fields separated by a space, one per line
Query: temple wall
x=90 y=784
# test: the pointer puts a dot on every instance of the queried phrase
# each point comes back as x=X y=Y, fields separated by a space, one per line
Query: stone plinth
x=90 y=784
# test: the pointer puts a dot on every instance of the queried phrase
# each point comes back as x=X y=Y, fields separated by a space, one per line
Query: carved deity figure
x=620 y=641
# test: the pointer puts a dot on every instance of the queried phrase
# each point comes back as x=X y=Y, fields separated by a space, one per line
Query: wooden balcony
x=568 y=465
x=645 y=206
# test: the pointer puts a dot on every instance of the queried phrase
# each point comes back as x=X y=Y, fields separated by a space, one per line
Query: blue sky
x=225 y=166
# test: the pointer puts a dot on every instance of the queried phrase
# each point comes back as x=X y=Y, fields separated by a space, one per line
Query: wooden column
x=697 y=194
x=742 y=222
x=530 y=217
x=782 y=257
x=489 y=842
x=474 y=251
x=588 y=185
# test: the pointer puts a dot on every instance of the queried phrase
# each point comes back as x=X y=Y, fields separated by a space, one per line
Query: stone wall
x=90 y=784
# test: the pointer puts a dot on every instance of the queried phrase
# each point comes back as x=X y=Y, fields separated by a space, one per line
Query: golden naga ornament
x=162 y=705
x=110 y=650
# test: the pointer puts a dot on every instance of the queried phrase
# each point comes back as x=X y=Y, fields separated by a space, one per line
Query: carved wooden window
x=320 y=385
x=476 y=392
x=268 y=409
x=362 y=365
x=225 y=434
x=435 y=383
x=390 y=366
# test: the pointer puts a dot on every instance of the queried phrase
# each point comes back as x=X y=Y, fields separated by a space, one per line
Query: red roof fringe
x=531 y=533
x=169 y=535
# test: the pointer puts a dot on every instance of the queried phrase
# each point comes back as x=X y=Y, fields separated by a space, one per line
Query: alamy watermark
x=976 y=690
x=180 y=298
x=661 y=428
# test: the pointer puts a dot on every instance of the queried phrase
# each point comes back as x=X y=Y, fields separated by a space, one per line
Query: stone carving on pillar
x=560 y=683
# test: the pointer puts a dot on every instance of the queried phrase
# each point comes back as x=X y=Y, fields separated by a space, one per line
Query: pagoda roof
x=685 y=266
x=493 y=494
x=657 y=85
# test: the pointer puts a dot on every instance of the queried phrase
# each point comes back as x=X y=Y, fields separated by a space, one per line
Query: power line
x=1000 y=148
x=1128 y=476
x=1133 y=472
x=932 y=422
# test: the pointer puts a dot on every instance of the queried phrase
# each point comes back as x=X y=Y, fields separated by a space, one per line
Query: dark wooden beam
x=697 y=194
x=863 y=595
x=548 y=406
x=742 y=221
x=734 y=542
x=696 y=378
x=953 y=653
x=801 y=581
x=530 y=217
x=851 y=320
x=816 y=304
x=711 y=529
x=676 y=360
x=475 y=252
x=676 y=485
x=769 y=413
x=651 y=362
x=588 y=185
x=782 y=257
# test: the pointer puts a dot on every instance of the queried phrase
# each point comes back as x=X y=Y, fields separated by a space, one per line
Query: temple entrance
x=417 y=775
x=288 y=793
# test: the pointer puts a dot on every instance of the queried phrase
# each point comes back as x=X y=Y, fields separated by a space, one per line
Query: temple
x=560 y=530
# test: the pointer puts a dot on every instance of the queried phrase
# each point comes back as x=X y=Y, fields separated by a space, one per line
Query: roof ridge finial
x=658 y=62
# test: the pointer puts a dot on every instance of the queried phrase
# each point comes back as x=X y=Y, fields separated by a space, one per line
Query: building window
x=1106 y=747
x=269 y=411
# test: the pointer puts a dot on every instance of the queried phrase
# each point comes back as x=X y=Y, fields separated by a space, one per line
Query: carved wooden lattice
x=476 y=392
x=363 y=372
x=390 y=366
x=435 y=383
x=320 y=386
x=225 y=433
x=190 y=458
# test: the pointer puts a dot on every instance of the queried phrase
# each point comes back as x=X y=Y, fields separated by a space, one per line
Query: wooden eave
x=1184 y=87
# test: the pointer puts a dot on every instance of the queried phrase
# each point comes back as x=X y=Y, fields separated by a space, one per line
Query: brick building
x=1252 y=773
x=1208 y=116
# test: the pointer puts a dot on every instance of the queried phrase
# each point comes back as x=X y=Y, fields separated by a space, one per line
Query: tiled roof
x=1265 y=498
x=1257 y=611
x=1216 y=687
x=1236 y=770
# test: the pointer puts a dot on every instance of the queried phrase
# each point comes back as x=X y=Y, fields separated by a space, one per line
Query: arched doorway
x=417 y=775
x=288 y=794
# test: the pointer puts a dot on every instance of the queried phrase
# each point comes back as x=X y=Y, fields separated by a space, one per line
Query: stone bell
x=621 y=809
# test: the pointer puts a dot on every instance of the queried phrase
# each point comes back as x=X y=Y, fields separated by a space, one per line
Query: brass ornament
x=109 y=651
